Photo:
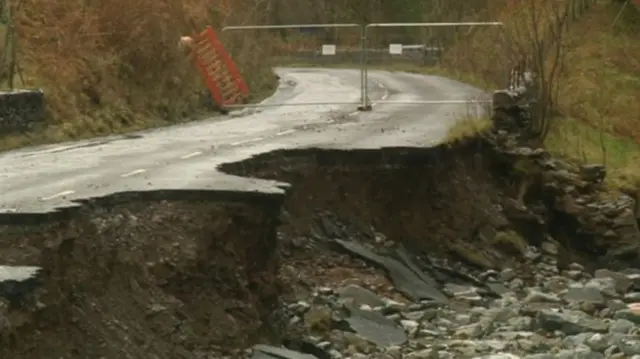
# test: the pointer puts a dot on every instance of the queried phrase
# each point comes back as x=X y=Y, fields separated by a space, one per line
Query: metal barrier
x=326 y=50
x=363 y=50
x=398 y=48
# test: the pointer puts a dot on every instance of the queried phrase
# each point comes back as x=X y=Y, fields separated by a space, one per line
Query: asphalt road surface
x=38 y=179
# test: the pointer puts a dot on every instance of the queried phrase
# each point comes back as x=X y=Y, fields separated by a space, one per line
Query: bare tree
x=538 y=41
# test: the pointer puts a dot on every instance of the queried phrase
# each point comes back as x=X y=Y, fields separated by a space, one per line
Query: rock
x=556 y=284
x=588 y=294
x=361 y=296
x=269 y=352
x=622 y=283
x=594 y=173
x=18 y=281
x=629 y=346
x=539 y=356
x=606 y=286
x=410 y=326
x=376 y=328
x=319 y=319
x=537 y=296
x=550 y=248
x=499 y=356
x=598 y=342
x=627 y=315
x=621 y=326
x=507 y=274
x=415 y=285
x=394 y=351
x=569 y=322
x=578 y=353
x=423 y=354
x=632 y=297
x=471 y=331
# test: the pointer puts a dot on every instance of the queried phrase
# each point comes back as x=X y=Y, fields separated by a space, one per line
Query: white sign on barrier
x=328 y=50
x=395 y=49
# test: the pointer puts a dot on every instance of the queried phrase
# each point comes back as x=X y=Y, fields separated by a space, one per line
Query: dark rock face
x=21 y=111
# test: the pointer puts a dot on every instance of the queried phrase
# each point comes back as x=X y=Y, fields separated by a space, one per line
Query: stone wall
x=569 y=201
x=21 y=111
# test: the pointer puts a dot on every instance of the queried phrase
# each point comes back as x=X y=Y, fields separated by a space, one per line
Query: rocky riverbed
x=545 y=313
x=566 y=292
x=487 y=248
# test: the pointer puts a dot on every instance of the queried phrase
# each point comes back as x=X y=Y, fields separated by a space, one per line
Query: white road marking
x=247 y=141
x=59 y=194
x=384 y=97
x=51 y=150
x=285 y=132
x=192 y=154
x=133 y=173
x=8 y=210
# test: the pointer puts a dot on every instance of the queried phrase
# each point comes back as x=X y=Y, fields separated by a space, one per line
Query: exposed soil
x=432 y=200
x=199 y=274
x=136 y=277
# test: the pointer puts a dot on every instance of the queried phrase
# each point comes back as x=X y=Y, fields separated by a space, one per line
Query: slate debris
x=561 y=314
x=408 y=280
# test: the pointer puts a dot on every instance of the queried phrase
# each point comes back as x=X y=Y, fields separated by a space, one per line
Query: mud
x=143 y=275
x=431 y=200
x=198 y=274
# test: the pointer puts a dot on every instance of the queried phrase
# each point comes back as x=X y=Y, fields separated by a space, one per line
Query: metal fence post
x=363 y=100
x=364 y=83
x=418 y=24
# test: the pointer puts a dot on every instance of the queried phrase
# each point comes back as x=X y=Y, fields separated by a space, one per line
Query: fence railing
x=362 y=54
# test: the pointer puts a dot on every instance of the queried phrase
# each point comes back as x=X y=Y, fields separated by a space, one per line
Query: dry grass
x=113 y=65
x=466 y=128
x=598 y=94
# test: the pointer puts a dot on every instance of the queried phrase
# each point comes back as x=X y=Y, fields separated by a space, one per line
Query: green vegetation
x=596 y=119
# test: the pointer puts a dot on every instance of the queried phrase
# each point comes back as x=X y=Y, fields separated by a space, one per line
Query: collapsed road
x=185 y=157
x=231 y=239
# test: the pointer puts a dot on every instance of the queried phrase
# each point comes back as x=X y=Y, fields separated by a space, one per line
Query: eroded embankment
x=433 y=200
x=141 y=275
x=191 y=274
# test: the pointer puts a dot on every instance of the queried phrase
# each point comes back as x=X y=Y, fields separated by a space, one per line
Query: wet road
x=40 y=178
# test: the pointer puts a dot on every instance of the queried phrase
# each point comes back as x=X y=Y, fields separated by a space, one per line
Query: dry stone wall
x=21 y=111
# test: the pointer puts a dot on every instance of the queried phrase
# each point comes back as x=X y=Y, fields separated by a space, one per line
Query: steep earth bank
x=206 y=274
x=115 y=66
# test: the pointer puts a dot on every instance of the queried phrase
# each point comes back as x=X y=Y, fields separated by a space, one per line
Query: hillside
x=114 y=66
x=598 y=113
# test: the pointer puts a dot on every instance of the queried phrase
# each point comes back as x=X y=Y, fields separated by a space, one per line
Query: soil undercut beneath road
x=206 y=274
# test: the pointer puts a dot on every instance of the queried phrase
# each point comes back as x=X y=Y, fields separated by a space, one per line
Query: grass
x=598 y=94
x=113 y=66
x=577 y=140
x=467 y=128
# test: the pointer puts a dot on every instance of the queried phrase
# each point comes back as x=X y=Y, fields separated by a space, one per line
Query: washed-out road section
x=186 y=156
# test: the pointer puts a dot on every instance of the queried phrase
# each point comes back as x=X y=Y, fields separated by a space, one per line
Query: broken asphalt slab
x=415 y=286
x=375 y=327
x=261 y=351
x=17 y=281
